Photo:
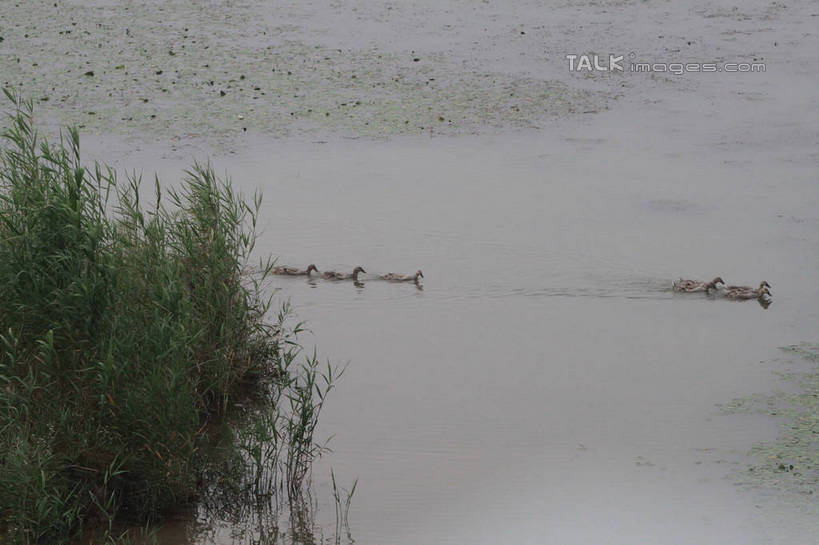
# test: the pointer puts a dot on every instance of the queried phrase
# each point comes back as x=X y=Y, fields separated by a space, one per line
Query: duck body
x=335 y=275
x=746 y=292
x=294 y=271
x=694 y=286
x=395 y=277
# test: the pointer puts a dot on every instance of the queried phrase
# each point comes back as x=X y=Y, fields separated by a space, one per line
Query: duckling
x=333 y=275
x=395 y=277
x=747 y=292
x=691 y=286
x=294 y=271
x=762 y=284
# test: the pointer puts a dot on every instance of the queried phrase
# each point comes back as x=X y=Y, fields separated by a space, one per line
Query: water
x=545 y=385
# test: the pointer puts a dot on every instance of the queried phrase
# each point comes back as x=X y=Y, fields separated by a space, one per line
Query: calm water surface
x=545 y=385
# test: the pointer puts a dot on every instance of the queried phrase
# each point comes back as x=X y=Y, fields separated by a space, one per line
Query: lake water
x=545 y=385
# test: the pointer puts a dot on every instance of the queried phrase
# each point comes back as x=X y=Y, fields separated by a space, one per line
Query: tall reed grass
x=129 y=334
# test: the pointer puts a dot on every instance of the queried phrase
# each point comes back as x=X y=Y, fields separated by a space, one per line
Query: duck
x=294 y=271
x=747 y=292
x=691 y=286
x=334 y=275
x=395 y=277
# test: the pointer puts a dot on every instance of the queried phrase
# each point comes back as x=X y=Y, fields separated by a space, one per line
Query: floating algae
x=789 y=464
x=176 y=70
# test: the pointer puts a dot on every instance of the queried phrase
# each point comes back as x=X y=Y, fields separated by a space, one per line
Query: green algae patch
x=174 y=70
x=789 y=464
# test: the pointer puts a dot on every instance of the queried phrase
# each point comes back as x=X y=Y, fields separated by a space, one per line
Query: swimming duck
x=294 y=271
x=691 y=286
x=395 y=277
x=747 y=292
x=333 y=275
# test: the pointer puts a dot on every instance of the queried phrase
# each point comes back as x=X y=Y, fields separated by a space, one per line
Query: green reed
x=130 y=333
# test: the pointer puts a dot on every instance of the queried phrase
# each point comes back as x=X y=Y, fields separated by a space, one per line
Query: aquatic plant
x=789 y=464
x=342 y=509
x=130 y=336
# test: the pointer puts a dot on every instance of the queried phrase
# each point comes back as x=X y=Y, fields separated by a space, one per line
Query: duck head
x=764 y=284
x=712 y=285
x=311 y=268
x=358 y=270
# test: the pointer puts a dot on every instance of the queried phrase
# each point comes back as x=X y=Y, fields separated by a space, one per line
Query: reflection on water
x=283 y=518
x=278 y=519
